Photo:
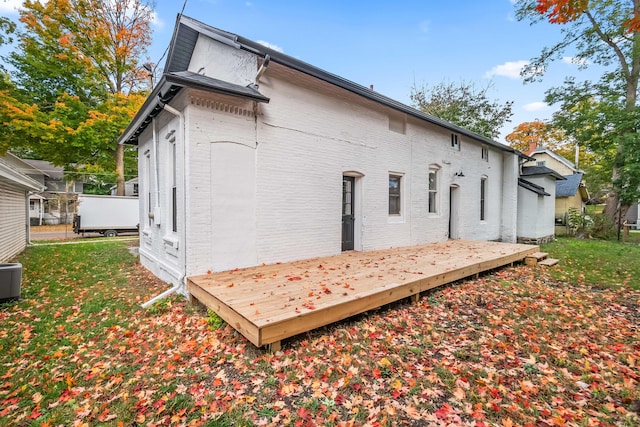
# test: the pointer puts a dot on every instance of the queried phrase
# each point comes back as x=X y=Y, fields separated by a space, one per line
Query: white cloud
x=155 y=20
x=271 y=46
x=510 y=69
x=9 y=6
x=536 y=106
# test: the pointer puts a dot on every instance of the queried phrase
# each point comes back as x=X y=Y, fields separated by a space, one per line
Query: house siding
x=13 y=221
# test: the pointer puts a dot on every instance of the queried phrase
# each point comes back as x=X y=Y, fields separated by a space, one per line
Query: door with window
x=348 y=217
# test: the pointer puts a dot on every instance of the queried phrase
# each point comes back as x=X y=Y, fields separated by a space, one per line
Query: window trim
x=433 y=210
x=483 y=197
x=398 y=195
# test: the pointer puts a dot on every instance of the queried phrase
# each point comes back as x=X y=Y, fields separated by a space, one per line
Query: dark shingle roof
x=532 y=187
x=540 y=170
x=170 y=84
x=568 y=187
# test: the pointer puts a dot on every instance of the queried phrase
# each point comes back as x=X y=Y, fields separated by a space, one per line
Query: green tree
x=603 y=114
x=463 y=104
x=77 y=81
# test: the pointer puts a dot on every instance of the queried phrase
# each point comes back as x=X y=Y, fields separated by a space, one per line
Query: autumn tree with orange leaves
x=76 y=81
x=601 y=115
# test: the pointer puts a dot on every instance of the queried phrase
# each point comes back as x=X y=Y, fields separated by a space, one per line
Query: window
x=135 y=189
x=485 y=154
x=174 y=198
x=483 y=195
x=394 y=194
x=147 y=173
x=455 y=144
x=541 y=163
x=433 y=190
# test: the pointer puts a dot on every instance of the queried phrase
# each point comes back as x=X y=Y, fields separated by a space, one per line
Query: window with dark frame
x=433 y=190
x=483 y=193
x=485 y=154
x=455 y=144
x=394 y=194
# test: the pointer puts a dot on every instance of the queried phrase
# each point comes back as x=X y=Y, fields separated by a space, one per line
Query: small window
x=394 y=194
x=485 y=154
x=455 y=144
x=541 y=163
x=433 y=190
x=147 y=171
x=483 y=194
x=174 y=193
x=135 y=189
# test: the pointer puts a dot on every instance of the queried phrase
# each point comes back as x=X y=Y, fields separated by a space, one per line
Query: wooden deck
x=272 y=302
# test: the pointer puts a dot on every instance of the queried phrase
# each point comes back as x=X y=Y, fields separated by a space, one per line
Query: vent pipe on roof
x=263 y=68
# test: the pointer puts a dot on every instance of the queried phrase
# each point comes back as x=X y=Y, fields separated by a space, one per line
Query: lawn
x=521 y=346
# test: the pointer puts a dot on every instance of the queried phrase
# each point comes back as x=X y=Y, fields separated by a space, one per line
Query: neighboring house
x=15 y=188
x=570 y=193
x=633 y=216
x=130 y=188
x=536 y=204
x=57 y=203
x=249 y=156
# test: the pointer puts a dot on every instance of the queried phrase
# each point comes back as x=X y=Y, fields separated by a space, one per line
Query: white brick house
x=249 y=156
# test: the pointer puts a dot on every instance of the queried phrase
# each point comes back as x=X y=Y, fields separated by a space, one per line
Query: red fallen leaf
x=377 y=373
x=326 y=290
x=291 y=279
x=35 y=414
x=230 y=285
x=304 y=413
x=444 y=411
x=208 y=271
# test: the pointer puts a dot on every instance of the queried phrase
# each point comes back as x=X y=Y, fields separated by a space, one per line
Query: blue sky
x=391 y=45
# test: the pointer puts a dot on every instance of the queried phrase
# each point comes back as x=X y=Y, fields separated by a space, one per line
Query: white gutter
x=181 y=284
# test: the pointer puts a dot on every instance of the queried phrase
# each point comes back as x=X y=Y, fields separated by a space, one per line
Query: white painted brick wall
x=270 y=189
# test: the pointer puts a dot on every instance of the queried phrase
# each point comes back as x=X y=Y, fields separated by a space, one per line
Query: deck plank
x=269 y=303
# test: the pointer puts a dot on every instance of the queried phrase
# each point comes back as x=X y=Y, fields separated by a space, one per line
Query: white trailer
x=108 y=215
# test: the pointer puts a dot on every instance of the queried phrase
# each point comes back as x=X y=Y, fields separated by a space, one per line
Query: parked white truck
x=108 y=215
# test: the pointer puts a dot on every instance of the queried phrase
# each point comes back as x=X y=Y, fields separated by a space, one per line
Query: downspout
x=181 y=280
x=28 y=224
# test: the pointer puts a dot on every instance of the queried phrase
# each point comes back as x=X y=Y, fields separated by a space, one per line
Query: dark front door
x=348 y=218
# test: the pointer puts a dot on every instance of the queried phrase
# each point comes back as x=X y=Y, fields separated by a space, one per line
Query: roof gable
x=555 y=156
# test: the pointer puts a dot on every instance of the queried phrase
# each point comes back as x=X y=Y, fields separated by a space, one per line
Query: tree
x=464 y=105
x=6 y=29
x=537 y=132
x=602 y=114
x=77 y=81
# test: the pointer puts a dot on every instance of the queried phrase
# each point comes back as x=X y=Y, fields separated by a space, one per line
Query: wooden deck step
x=549 y=262
x=535 y=258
